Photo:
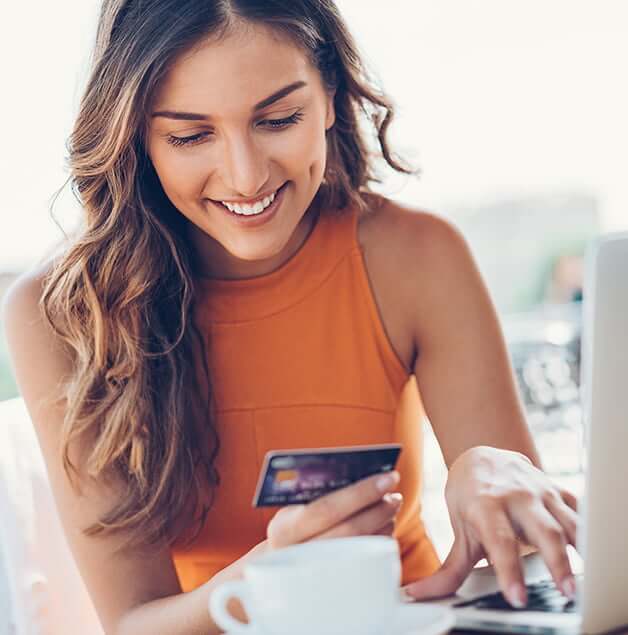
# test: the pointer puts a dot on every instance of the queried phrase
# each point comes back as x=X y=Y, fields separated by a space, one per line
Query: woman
x=237 y=288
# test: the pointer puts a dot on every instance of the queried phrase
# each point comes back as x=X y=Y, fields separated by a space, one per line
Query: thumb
x=448 y=578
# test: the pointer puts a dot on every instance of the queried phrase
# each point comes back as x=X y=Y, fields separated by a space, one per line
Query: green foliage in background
x=518 y=241
x=8 y=389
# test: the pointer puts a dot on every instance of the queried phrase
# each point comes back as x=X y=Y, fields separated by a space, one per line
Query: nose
x=245 y=167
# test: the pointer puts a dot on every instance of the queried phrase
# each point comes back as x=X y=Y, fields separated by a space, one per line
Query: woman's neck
x=214 y=261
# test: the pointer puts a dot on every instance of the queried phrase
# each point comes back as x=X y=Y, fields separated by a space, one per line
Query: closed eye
x=273 y=124
x=286 y=121
x=182 y=141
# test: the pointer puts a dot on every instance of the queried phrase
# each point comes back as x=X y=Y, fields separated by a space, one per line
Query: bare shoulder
x=410 y=237
x=42 y=363
x=40 y=360
x=21 y=301
x=33 y=346
x=421 y=269
x=414 y=251
x=27 y=332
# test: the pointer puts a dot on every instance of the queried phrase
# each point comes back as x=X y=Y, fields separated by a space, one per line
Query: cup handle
x=218 y=606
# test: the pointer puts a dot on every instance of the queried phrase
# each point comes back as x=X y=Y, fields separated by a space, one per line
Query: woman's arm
x=138 y=593
x=118 y=584
x=442 y=324
x=462 y=364
x=184 y=613
x=496 y=493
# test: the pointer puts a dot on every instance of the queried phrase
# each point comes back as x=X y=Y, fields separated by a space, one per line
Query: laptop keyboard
x=542 y=596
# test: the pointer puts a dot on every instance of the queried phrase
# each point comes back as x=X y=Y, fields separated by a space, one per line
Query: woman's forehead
x=242 y=67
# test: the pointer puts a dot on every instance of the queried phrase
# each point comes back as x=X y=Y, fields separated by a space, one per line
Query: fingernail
x=568 y=587
x=406 y=596
x=387 y=481
x=517 y=596
x=395 y=498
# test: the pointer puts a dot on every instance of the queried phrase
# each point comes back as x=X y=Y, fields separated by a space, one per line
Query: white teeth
x=250 y=210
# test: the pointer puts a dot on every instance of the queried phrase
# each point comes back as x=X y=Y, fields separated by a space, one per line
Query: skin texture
x=240 y=155
x=433 y=305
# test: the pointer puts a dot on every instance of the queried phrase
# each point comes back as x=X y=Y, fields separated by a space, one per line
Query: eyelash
x=277 y=124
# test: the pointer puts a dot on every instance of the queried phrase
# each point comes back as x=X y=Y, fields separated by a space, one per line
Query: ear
x=330 y=117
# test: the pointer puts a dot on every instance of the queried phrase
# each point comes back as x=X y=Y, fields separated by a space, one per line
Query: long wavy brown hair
x=121 y=294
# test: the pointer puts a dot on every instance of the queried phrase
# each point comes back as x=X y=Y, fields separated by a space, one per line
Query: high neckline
x=245 y=299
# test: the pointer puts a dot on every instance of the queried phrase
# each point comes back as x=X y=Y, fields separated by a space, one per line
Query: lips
x=250 y=202
x=253 y=221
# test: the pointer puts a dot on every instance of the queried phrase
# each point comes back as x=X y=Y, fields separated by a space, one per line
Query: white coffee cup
x=338 y=586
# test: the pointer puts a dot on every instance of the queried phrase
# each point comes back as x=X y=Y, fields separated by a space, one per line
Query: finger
x=565 y=515
x=543 y=530
x=449 y=577
x=387 y=530
x=332 y=509
x=283 y=529
x=500 y=542
x=569 y=499
x=495 y=531
x=367 y=522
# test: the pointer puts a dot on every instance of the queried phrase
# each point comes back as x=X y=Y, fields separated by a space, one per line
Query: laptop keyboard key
x=542 y=596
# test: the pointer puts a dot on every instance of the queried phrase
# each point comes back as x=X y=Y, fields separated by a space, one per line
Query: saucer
x=409 y=619
x=426 y=619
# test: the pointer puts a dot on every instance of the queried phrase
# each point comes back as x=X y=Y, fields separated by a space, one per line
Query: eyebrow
x=193 y=116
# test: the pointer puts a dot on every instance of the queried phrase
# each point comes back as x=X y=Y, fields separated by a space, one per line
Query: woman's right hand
x=368 y=507
x=365 y=508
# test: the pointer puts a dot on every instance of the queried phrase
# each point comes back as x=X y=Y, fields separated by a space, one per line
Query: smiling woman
x=181 y=183
x=232 y=148
x=238 y=288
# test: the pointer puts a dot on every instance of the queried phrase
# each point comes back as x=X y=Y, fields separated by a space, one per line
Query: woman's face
x=236 y=122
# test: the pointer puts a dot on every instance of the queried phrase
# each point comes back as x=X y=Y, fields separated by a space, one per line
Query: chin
x=260 y=256
x=256 y=254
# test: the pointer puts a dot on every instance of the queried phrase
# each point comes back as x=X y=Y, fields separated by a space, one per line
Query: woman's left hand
x=497 y=498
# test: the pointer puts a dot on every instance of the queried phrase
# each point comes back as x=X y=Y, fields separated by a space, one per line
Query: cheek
x=179 y=174
x=184 y=173
x=302 y=155
x=304 y=150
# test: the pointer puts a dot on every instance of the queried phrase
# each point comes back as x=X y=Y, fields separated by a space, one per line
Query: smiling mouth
x=262 y=209
x=274 y=193
x=255 y=215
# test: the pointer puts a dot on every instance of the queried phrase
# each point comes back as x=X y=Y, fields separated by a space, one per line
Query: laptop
x=602 y=587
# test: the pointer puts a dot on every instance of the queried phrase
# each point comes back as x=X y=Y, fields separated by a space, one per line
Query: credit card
x=290 y=477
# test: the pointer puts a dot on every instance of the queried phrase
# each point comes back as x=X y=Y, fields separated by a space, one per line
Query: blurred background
x=514 y=111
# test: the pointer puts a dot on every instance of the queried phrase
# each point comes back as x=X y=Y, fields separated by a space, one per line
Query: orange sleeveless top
x=298 y=358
